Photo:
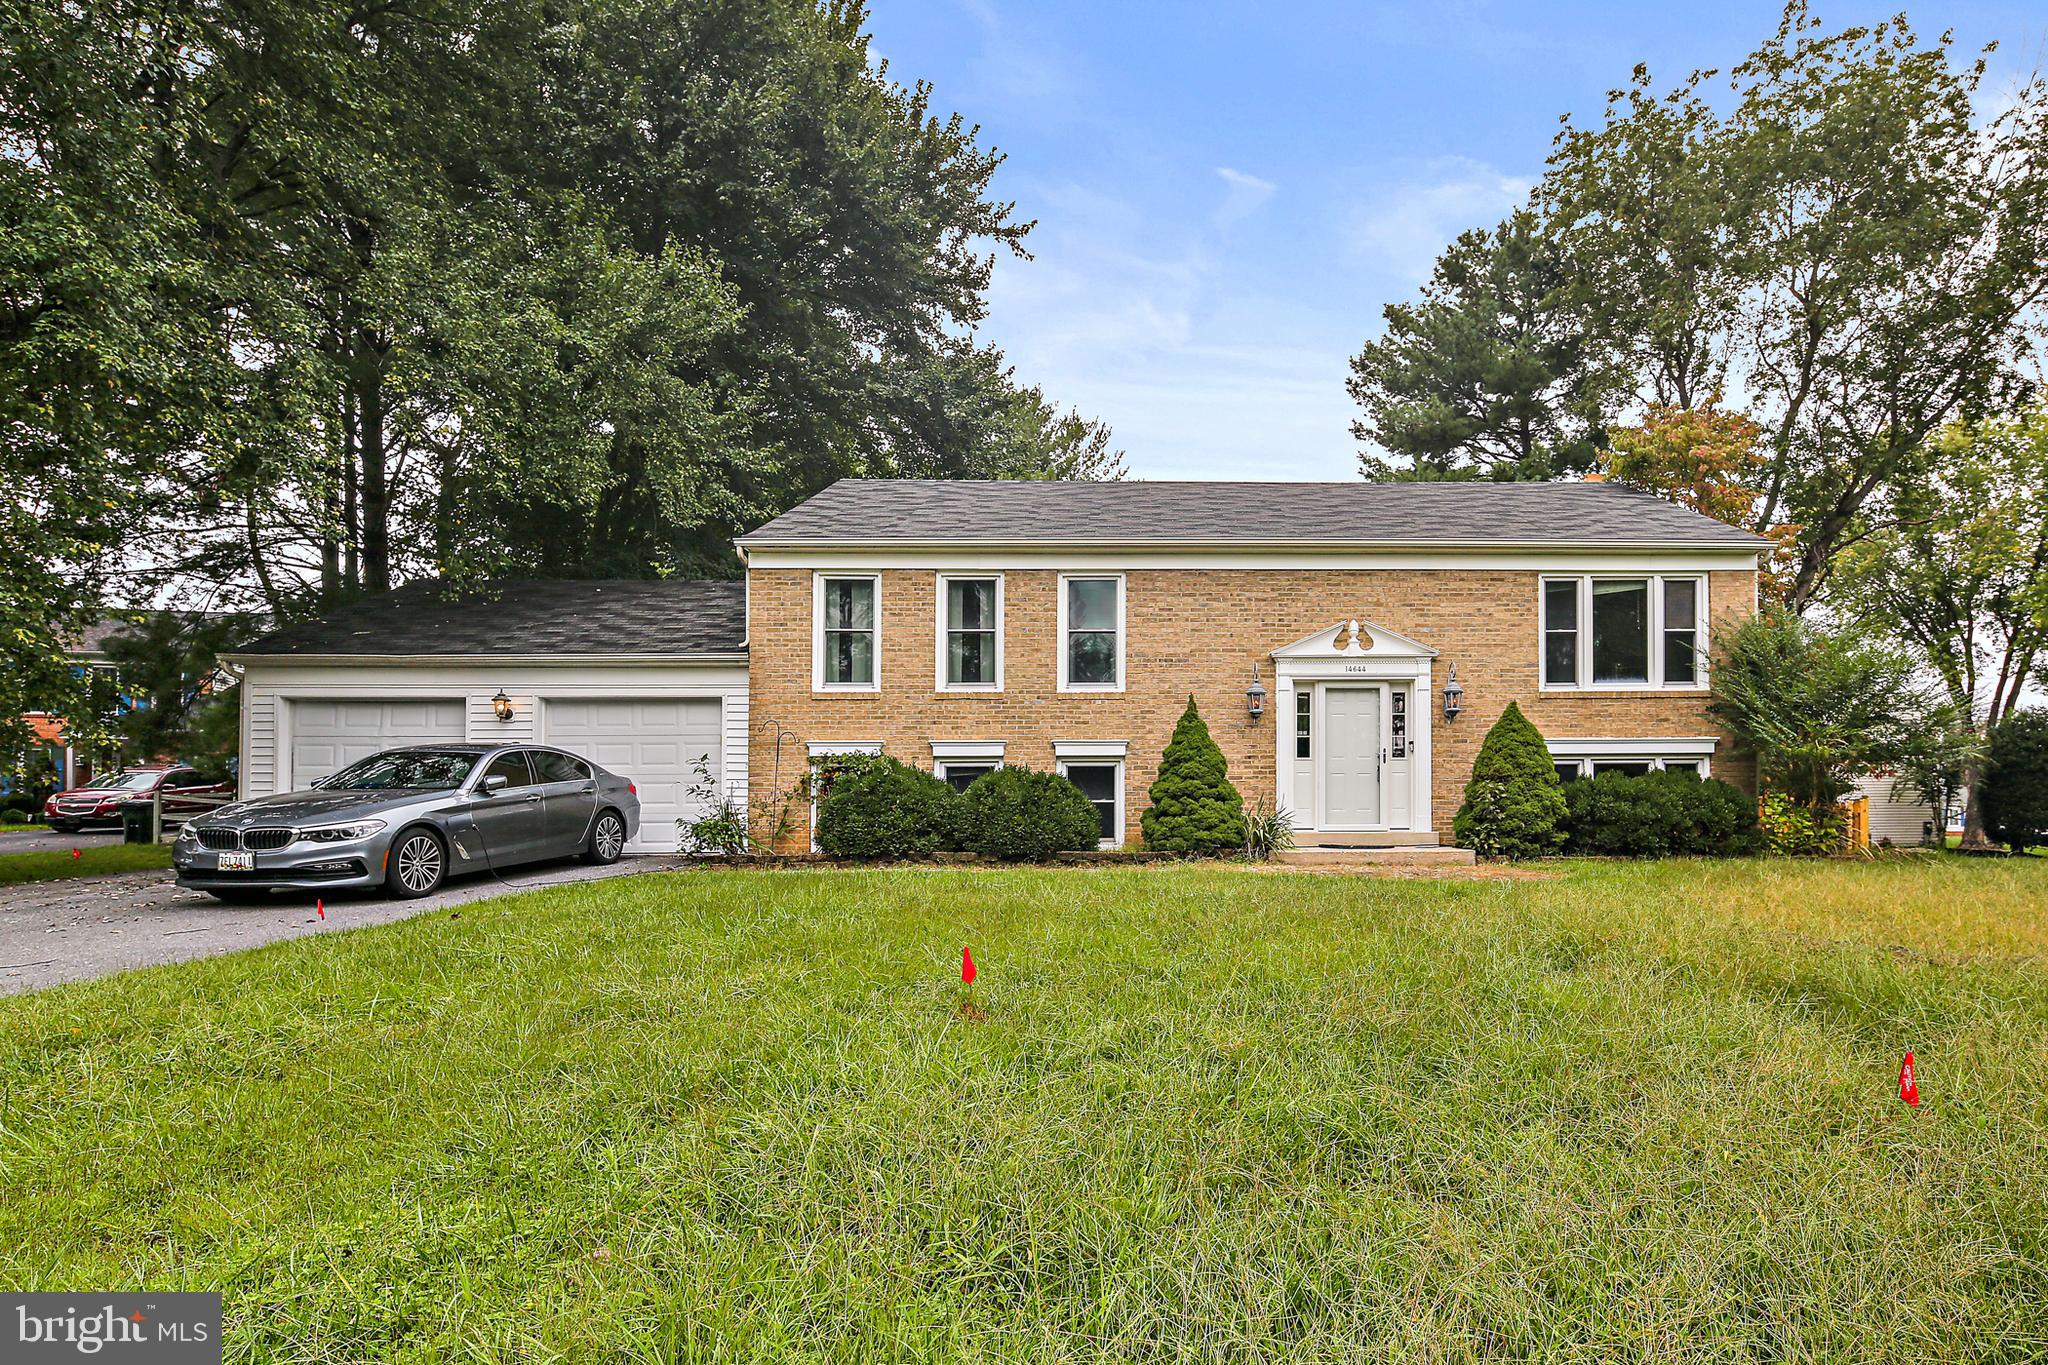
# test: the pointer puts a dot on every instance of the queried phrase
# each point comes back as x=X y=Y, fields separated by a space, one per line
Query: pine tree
x=1514 y=804
x=1194 y=808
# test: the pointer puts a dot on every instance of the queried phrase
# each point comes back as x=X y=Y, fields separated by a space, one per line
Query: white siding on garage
x=655 y=742
x=329 y=733
x=257 y=775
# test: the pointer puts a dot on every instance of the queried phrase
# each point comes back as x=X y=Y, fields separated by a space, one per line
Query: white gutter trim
x=491 y=660
x=1062 y=543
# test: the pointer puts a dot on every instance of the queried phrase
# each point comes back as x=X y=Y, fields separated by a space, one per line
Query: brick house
x=958 y=626
x=961 y=625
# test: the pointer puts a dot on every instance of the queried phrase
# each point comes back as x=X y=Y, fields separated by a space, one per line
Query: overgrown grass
x=50 y=864
x=1634 y=1111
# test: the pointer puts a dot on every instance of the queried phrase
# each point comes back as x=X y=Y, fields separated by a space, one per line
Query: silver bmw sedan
x=406 y=819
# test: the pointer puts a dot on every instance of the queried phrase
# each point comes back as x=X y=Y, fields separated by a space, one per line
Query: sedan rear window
x=404 y=770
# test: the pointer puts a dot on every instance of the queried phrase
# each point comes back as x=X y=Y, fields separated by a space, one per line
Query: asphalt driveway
x=36 y=841
x=84 y=927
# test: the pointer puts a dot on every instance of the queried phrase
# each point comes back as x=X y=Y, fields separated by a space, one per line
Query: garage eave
x=490 y=660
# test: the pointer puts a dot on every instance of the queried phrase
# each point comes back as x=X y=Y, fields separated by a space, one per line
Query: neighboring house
x=67 y=764
x=962 y=625
x=1896 y=816
x=646 y=678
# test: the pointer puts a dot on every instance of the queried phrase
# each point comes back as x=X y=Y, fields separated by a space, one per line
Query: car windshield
x=404 y=769
x=135 y=782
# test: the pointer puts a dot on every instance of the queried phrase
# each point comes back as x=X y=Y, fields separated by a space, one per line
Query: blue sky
x=1228 y=193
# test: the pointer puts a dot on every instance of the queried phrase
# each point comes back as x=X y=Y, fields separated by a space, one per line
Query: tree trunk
x=330 y=513
x=351 y=534
x=376 y=490
x=1975 y=837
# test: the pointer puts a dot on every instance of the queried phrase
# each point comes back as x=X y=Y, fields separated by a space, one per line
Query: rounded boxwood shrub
x=888 y=809
x=1513 y=806
x=1019 y=815
x=1194 y=808
x=2015 y=792
x=1658 y=814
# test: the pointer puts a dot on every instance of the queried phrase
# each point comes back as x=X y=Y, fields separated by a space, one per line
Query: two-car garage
x=648 y=680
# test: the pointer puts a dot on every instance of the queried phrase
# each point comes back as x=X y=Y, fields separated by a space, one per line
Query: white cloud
x=1402 y=231
x=1245 y=195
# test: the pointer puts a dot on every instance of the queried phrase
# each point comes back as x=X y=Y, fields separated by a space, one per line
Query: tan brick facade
x=1188 y=631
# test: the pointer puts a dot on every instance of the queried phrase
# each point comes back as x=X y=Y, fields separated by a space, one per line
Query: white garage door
x=329 y=733
x=654 y=742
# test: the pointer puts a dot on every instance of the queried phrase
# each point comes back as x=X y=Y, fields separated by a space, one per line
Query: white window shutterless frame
x=1091 y=632
x=1621 y=631
x=970 y=633
x=846 y=632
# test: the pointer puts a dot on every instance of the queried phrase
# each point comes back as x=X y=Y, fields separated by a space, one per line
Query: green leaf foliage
x=1194 y=807
x=1019 y=815
x=1658 y=814
x=2016 y=781
x=1818 y=706
x=1514 y=805
x=889 y=810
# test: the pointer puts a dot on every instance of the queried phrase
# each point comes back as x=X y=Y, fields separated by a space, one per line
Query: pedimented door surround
x=1350 y=656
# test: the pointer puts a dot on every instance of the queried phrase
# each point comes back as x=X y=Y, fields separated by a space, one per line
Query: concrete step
x=1312 y=856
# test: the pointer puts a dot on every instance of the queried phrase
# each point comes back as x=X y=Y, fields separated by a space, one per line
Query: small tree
x=2015 y=793
x=1514 y=805
x=1819 y=708
x=1194 y=808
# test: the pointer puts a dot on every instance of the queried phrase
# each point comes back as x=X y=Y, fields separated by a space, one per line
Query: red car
x=186 y=792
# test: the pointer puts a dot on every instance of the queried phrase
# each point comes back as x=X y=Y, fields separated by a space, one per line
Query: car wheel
x=607 y=838
x=418 y=863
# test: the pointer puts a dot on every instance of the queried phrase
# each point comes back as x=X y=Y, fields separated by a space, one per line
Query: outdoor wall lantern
x=1454 y=696
x=502 y=704
x=1255 y=695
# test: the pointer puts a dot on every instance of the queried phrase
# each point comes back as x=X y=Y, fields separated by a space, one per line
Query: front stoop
x=1383 y=857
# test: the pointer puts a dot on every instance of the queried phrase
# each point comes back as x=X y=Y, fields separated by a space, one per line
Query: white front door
x=1351 y=757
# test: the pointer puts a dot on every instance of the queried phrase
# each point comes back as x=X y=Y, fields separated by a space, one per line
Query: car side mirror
x=493 y=783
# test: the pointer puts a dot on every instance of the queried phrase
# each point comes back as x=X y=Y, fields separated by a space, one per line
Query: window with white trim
x=1631 y=630
x=1091 y=624
x=847 y=644
x=1102 y=782
x=1572 y=767
x=1304 y=722
x=957 y=763
x=970 y=633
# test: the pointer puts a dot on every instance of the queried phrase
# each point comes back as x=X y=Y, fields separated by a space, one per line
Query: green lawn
x=1640 y=1111
x=49 y=864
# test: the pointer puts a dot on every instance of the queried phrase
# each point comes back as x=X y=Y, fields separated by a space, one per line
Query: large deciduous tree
x=307 y=300
x=1960 y=573
x=1844 y=242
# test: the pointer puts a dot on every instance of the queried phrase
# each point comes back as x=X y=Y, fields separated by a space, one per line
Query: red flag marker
x=320 y=907
x=967 y=972
x=76 y=854
x=1909 y=1087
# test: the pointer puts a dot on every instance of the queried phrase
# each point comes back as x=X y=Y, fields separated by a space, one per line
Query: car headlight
x=340 y=834
x=188 y=833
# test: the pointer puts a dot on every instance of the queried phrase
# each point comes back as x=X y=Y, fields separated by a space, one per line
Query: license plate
x=238 y=862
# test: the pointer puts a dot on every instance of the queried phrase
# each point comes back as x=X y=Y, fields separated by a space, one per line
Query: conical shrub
x=1194 y=808
x=1514 y=804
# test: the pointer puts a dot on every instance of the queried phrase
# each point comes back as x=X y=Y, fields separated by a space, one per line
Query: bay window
x=1621 y=631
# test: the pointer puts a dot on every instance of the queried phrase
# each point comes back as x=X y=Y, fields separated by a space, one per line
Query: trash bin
x=138 y=822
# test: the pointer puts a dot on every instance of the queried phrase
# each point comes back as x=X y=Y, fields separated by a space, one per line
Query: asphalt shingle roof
x=1476 y=514
x=528 y=616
